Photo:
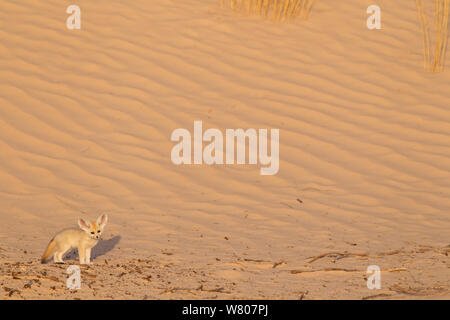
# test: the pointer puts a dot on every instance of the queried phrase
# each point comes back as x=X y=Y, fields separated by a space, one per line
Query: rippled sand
x=85 y=124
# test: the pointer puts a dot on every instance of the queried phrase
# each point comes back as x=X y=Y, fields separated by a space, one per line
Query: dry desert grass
x=434 y=62
x=276 y=10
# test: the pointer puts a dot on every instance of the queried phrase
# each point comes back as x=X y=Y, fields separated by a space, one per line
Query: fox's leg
x=88 y=256
x=81 y=254
x=58 y=256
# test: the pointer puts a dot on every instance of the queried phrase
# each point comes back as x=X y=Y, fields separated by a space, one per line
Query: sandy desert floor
x=85 y=123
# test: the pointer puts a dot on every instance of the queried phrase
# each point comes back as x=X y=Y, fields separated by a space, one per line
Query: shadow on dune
x=102 y=247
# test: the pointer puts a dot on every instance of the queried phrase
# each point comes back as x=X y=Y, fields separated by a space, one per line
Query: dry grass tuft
x=435 y=62
x=276 y=10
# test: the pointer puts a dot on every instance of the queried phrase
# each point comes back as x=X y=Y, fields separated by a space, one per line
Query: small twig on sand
x=395 y=270
x=325 y=270
x=338 y=255
x=221 y=289
x=255 y=260
x=276 y=264
x=389 y=253
x=376 y=296
x=303 y=294
x=345 y=254
x=418 y=291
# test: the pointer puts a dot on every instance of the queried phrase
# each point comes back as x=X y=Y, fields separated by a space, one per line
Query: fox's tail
x=50 y=248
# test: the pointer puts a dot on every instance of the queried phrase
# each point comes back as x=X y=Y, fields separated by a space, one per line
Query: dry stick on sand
x=435 y=63
x=339 y=255
x=325 y=270
x=297 y=271
x=278 y=10
x=421 y=291
x=345 y=254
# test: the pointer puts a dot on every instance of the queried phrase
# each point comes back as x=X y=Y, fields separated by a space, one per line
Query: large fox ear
x=102 y=220
x=83 y=224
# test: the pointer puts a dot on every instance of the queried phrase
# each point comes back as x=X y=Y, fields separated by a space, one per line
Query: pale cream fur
x=84 y=239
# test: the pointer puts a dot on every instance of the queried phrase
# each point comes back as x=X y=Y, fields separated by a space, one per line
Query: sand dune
x=85 y=123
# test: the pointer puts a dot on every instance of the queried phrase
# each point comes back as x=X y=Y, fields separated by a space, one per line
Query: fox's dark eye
x=98 y=231
x=92 y=232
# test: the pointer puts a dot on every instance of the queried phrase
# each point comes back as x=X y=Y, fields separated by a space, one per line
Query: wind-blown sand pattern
x=85 y=123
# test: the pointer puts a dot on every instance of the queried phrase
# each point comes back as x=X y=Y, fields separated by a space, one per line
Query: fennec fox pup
x=84 y=240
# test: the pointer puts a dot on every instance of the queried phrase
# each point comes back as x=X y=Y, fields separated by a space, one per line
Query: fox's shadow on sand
x=102 y=247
